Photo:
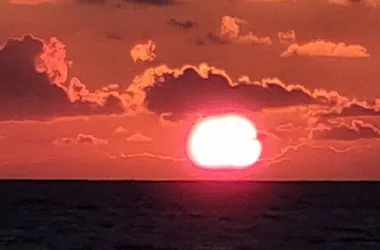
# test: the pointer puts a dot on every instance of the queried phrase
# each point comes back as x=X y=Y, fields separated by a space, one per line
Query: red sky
x=110 y=89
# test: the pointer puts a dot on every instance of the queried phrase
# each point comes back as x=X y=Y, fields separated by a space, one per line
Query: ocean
x=135 y=215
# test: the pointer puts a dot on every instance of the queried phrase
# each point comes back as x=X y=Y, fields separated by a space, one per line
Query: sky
x=110 y=89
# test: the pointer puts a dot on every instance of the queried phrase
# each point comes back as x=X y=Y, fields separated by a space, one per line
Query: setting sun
x=227 y=141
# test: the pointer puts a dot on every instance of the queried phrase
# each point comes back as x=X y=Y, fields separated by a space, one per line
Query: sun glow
x=227 y=141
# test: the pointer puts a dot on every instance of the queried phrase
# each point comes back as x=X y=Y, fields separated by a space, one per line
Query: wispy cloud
x=150 y=155
x=81 y=139
x=138 y=137
x=121 y=130
x=328 y=49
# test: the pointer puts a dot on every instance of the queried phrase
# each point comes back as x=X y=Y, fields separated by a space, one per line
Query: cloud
x=263 y=135
x=230 y=27
x=271 y=1
x=153 y=2
x=53 y=61
x=165 y=120
x=210 y=38
x=36 y=2
x=205 y=89
x=230 y=31
x=120 y=130
x=368 y=3
x=149 y=155
x=95 y=1
x=250 y=38
x=287 y=127
x=324 y=48
x=34 y=84
x=138 y=137
x=117 y=3
x=352 y=108
x=185 y=24
x=281 y=156
x=287 y=37
x=114 y=36
x=354 y=131
x=81 y=139
x=144 y=52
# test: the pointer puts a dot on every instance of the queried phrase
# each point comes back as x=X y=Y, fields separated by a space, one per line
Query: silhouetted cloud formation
x=81 y=139
x=34 y=84
x=117 y=3
x=354 y=131
x=205 y=89
x=35 y=2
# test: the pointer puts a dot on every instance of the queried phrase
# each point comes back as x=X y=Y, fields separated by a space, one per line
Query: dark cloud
x=286 y=37
x=35 y=2
x=119 y=2
x=153 y=2
x=114 y=36
x=185 y=24
x=354 y=131
x=92 y=1
x=368 y=3
x=34 y=84
x=210 y=39
x=81 y=139
x=350 y=109
x=208 y=90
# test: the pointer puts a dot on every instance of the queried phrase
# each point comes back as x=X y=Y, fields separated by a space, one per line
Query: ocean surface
x=189 y=215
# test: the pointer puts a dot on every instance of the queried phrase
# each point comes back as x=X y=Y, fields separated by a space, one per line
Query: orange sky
x=80 y=97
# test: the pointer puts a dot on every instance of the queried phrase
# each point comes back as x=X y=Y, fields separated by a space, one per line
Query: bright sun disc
x=228 y=141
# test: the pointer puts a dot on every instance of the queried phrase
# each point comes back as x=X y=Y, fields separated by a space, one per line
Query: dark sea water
x=189 y=215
